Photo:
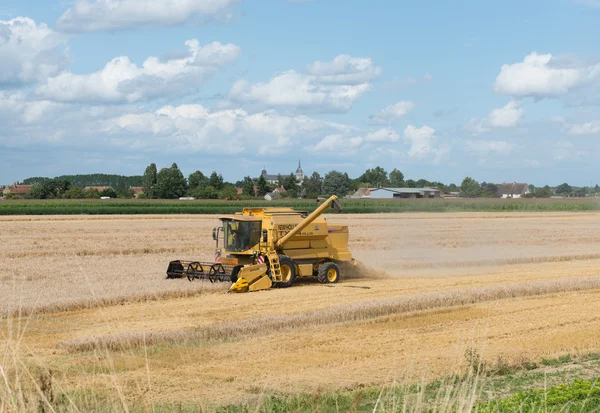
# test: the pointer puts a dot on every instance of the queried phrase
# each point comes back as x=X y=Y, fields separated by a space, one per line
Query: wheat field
x=86 y=297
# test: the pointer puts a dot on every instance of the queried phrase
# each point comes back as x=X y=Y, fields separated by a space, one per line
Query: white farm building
x=399 y=193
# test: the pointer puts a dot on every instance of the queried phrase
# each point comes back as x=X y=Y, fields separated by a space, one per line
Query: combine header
x=270 y=247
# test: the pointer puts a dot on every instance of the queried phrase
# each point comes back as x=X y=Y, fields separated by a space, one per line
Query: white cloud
x=382 y=135
x=30 y=52
x=327 y=87
x=484 y=148
x=543 y=76
x=505 y=117
x=345 y=70
x=101 y=15
x=122 y=81
x=199 y=129
x=588 y=128
x=423 y=143
x=392 y=112
x=338 y=143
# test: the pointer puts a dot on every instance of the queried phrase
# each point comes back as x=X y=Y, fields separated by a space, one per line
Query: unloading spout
x=332 y=202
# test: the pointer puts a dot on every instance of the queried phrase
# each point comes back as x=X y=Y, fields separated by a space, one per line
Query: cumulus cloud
x=326 y=87
x=345 y=70
x=101 y=15
x=338 y=143
x=588 y=128
x=349 y=143
x=200 y=129
x=392 y=112
x=506 y=117
x=423 y=143
x=543 y=75
x=122 y=81
x=30 y=52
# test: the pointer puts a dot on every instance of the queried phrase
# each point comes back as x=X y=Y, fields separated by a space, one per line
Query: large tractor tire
x=288 y=271
x=329 y=273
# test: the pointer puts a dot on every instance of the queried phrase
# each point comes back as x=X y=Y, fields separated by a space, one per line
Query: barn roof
x=17 y=189
x=512 y=188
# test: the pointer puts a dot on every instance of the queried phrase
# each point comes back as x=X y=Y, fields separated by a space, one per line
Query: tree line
x=170 y=183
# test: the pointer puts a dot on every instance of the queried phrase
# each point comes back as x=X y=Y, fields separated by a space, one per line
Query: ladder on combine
x=275 y=267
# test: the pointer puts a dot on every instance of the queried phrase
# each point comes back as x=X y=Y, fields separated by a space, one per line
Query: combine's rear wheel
x=329 y=273
x=288 y=271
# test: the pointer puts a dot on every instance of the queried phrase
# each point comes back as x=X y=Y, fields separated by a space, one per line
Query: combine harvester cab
x=271 y=247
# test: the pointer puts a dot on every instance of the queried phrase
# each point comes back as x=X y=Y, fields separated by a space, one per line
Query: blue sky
x=500 y=91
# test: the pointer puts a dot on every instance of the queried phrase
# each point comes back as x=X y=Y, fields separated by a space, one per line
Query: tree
x=74 y=192
x=204 y=192
x=262 y=186
x=336 y=183
x=55 y=187
x=411 y=184
x=469 y=188
x=248 y=186
x=489 y=190
x=290 y=183
x=37 y=191
x=545 y=192
x=579 y=192
x=91 y=193
x=229 y=191
x=452 y=188
x=396 y=179
x=377 y=177
x=109 y=192
x=564 y=189
x=422 y=183
x=313 y=186
x=197 y=179
x=170 y=183
x=216 y=181
x=531 y=188
x=149 y=181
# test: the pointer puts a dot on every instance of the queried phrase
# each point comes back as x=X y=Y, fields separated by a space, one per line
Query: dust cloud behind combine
x=520 y=285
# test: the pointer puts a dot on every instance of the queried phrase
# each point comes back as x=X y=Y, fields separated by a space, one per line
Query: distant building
x=513 y=190
x=16 y=189
x=97 y=187
x=137 y=190
x=270 y=196
x=299 y=173
x=274 y=179
x=361 y=193
x=404 y=193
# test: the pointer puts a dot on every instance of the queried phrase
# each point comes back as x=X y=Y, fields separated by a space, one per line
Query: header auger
x=271 y=247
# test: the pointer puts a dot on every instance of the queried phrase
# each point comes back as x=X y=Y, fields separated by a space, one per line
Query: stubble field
x=86 y=298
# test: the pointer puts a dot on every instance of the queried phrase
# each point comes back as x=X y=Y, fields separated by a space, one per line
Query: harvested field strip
x=354 y=312
x=84 y=253
x=502 y=261
x=196 y=288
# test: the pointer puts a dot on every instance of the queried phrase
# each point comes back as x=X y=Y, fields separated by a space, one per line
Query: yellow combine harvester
x=270 y=247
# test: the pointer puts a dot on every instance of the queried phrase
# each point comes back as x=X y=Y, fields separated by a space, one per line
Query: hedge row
x=61 y=207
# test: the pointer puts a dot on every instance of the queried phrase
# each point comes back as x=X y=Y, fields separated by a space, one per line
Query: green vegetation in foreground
x=564 y=384
x=96 y=207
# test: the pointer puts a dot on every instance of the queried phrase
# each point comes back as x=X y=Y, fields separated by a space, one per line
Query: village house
x=16 y=189
x=512 y=190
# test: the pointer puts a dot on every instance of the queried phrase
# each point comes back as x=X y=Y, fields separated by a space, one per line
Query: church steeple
x=299 y=173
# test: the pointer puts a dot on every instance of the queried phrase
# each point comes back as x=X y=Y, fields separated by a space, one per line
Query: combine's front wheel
x=329 y=273
x=288 y=271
